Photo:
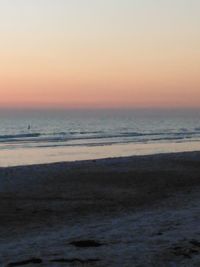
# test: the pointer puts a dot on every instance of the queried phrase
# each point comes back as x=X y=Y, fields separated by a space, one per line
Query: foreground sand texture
x=136 y=211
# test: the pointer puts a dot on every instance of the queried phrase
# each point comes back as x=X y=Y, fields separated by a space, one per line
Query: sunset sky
x=99 y=53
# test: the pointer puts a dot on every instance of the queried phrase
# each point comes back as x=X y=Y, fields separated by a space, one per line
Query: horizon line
x=94 y=108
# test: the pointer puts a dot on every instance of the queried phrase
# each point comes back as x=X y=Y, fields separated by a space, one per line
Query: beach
x=129 y=211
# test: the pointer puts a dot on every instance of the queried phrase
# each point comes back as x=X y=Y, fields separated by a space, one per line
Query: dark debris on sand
x=74 y=260
x=59 y=260
x=85 y=243
x=187 y=250
x=25 y=262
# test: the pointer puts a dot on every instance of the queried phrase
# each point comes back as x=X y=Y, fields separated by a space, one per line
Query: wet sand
x=134 y=211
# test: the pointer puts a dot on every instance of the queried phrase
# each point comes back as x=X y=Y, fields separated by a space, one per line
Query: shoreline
x=140 y=208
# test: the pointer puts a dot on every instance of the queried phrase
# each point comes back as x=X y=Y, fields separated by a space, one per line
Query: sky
x=99 y=53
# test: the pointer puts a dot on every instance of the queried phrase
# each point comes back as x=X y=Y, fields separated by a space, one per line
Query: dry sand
x=135 y=211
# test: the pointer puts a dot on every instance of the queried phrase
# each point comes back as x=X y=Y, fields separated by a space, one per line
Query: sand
x=134 y=211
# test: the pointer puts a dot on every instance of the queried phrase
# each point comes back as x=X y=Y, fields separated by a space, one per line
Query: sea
x=46 y=136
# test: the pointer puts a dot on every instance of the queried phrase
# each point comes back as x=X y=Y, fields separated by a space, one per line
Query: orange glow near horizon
x=73 y=56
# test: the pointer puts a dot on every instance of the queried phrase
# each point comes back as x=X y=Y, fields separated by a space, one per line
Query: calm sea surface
x=30 y=137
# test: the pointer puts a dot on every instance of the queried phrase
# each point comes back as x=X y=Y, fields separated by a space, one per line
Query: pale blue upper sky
x=100 y=15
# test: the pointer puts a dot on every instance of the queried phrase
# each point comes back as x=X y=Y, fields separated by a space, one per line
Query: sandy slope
x=142 y=211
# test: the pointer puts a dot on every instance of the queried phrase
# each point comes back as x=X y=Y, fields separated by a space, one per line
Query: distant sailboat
x=29 y=127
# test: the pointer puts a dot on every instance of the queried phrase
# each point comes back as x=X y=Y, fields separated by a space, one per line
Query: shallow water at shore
x=29 y=156
x=32 y=137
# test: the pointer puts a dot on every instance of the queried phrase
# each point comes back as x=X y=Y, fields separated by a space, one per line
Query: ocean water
x=30 y=137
